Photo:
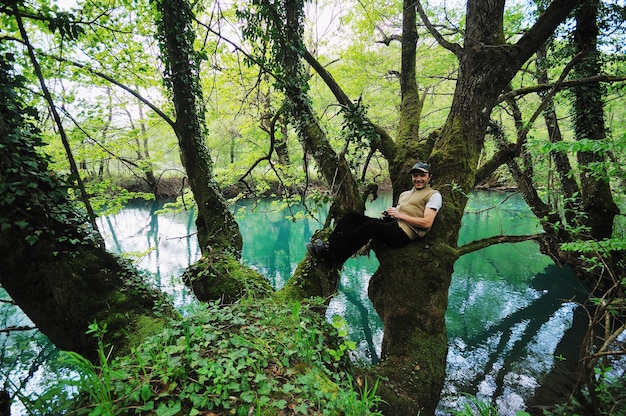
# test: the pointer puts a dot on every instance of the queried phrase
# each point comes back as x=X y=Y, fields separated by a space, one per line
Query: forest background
x=259 y=113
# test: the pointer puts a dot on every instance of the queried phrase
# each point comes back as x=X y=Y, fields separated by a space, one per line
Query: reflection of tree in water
x=556 y=290
x=351 y=294
x=278 y=258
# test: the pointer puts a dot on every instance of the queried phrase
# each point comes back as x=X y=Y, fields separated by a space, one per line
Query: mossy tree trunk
x=219 y=274
x=598 y=204
x=312 y=278
x=217 y=229
x=52 y=263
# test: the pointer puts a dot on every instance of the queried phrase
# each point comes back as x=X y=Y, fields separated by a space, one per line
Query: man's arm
x=425 y=222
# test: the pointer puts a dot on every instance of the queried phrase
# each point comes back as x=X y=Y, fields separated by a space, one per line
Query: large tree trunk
x=214 y=276
x=411 y=298
x=598 y=204
x=481 y=79
x=52 y=263
x=313 y=278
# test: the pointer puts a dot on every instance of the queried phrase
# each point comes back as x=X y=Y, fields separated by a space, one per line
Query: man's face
x=420 y=179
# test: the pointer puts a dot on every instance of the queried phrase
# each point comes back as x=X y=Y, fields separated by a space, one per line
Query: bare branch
x=387 y=39
x=560 y=86
x=497 y=239
x=10 y=329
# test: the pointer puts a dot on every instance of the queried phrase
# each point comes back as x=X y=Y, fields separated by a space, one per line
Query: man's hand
x=425 y=222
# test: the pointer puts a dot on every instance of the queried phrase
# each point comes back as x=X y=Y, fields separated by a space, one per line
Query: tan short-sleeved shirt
x=413 y=202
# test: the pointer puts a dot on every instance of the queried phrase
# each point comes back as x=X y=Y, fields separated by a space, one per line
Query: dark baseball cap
x=420 y=166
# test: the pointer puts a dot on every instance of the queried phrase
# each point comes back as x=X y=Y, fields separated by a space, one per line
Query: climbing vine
x=26 y=184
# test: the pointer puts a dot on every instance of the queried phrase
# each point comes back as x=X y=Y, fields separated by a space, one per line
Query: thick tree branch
x=497 y=239
x=563 y=85
x=544 y=27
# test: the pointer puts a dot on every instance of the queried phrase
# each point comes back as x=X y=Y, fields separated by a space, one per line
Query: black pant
x=354 y=231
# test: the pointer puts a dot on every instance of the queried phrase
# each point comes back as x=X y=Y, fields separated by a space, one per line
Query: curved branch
x=561 y=86
x=129 y=90
x=496 y=239
x=10 y=329
x=385 y=145
x=512 y=150
x=452 y=47
x=267 y=157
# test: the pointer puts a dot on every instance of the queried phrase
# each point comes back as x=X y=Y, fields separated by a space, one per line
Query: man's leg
x=345 y=232
x=355 y=230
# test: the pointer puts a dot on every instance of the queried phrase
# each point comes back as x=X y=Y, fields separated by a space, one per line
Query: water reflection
x=161 y=244
x=509 y=306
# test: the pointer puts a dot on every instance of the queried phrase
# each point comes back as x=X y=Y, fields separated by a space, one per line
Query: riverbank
x=174 y=186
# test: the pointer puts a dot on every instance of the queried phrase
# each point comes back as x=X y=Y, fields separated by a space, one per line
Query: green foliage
x=94 y=380
x=359 y=131
x=475 y=406
x=109 y=198
x=609 y=390
x=63 y=22
x=341 y=325
x=605 y=247
x=610 y=167
x=27 y=186
x=246 y=358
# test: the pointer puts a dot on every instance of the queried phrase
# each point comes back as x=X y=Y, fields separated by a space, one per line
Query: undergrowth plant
x=249 y=358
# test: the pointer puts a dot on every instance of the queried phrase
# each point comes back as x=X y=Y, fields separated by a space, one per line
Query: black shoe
x=318 y=249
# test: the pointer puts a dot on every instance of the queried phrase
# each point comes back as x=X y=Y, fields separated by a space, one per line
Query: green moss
x=222 y=277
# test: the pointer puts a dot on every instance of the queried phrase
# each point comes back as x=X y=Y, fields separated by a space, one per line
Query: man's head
x=420 y=174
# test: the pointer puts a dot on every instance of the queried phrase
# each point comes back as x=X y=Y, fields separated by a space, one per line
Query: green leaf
x=146 y=392
x=32 y=239
x=169 y=409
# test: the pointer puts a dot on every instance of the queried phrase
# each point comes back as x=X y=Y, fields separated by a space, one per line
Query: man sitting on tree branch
x=410 y=219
